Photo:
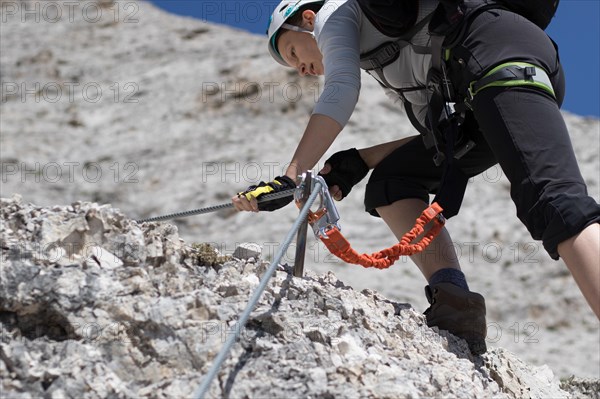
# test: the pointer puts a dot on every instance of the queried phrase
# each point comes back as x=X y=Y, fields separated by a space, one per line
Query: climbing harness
x=446 y=108
x=375 y=60
x=442 y=128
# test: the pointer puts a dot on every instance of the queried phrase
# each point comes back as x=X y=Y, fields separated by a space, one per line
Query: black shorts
x=520 y=128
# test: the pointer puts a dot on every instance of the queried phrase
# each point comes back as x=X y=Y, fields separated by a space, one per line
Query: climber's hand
x=247 y=200
x=342 y=171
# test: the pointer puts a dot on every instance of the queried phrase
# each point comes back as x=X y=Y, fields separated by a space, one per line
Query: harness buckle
x=389 y=53
x=529 y=72
x=374 y=64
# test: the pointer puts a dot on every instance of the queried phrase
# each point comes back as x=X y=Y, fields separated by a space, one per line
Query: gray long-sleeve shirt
x=343 y=33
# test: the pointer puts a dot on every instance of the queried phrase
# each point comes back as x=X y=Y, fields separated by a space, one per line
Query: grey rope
x=205 y=385
x=264 y=198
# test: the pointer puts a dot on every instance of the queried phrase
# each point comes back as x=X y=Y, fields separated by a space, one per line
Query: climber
x=514 y=122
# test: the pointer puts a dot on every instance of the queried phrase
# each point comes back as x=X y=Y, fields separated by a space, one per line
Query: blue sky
x=576 y=29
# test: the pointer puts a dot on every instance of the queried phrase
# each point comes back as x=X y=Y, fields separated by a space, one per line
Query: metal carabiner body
x=326 y=217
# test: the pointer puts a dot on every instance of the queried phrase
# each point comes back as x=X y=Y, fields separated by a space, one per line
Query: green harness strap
x=513 y=74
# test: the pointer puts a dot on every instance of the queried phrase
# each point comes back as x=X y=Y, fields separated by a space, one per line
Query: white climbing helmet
x=283 y=11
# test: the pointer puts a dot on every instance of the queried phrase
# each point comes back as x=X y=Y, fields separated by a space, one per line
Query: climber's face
x=300 y=50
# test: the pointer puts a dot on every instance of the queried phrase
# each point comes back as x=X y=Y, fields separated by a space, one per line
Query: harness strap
x=513 y=74
x=408 y=108
x=437 y=42
x=388 y=52
x=412 y=117
x=374 y=61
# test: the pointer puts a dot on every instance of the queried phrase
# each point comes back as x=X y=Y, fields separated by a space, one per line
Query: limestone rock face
x=94 y=305
x=121 y=102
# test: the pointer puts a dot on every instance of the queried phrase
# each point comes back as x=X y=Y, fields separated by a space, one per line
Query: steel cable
x=265 y=198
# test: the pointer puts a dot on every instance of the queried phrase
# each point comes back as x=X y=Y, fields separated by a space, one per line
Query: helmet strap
x=297 y=29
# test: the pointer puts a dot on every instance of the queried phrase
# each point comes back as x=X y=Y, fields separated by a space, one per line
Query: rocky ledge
x=93 y=304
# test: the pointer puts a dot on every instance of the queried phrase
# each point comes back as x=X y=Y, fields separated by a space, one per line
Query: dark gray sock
x=452 y=276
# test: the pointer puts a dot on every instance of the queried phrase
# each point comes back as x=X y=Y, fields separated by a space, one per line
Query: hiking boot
x=458 y=311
